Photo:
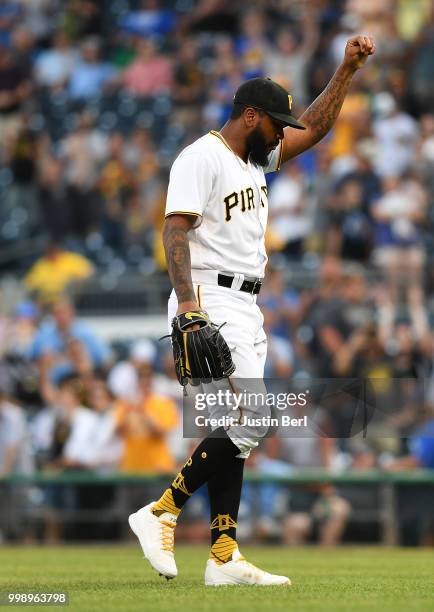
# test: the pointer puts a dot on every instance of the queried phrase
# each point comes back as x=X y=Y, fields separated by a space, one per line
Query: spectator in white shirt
x=106 y=450
x=103 y=456
x=397 y=135
x=73 y=427
x=123 y=380
x=54 y=66
x=289 y=217
x=399 y=248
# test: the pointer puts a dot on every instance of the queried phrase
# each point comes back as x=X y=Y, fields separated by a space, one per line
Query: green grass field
x=117 y=578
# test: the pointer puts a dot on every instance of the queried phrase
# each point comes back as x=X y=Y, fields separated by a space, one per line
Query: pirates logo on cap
x=290 y=102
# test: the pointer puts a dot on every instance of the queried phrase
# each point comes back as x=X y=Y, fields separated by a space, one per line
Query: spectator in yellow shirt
x=55 y=271
x=144 y=426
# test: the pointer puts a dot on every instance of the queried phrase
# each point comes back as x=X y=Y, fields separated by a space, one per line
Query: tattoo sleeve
x=177 y=251
x=323 y=112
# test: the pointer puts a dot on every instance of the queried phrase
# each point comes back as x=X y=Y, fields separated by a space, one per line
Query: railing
x=301 y=477
x=386 y=485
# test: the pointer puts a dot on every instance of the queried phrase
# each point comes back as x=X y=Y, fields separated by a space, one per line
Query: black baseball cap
x=270 y=97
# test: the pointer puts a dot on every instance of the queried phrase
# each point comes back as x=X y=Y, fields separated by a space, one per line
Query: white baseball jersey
x=229 y=199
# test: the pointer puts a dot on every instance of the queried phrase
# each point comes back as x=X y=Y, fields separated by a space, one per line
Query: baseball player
x=216 y=217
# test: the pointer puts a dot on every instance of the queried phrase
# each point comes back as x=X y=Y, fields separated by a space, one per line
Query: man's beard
x=257 y=147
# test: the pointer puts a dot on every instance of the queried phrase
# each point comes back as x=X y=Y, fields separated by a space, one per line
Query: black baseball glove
x=200 y=355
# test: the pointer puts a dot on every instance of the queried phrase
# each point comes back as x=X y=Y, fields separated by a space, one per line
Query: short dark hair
x=238 y=110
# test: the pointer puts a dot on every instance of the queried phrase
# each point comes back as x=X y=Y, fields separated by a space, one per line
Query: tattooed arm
x=177 y=251
x=321 y=115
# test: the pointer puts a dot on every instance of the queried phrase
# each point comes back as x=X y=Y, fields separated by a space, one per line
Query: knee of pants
x=244 y=444
x=256 y=422
x=248 y=438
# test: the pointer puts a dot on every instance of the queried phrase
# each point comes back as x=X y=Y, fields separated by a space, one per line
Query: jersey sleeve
x=274 y=159
x=190 y=186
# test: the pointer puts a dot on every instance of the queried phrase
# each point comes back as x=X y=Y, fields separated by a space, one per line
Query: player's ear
x=250 y=117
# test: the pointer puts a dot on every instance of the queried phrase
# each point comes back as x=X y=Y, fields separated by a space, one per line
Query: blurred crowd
x=96 y=99
x=72 y=403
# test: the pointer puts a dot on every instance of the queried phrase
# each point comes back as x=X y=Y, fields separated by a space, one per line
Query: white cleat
x=240 y=571
x=156 y=537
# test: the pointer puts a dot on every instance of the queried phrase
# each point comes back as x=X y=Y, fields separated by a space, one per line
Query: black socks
x=224 y=490
x=210 y=458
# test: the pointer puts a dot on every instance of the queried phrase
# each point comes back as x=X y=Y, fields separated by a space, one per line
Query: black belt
x=252 y=285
